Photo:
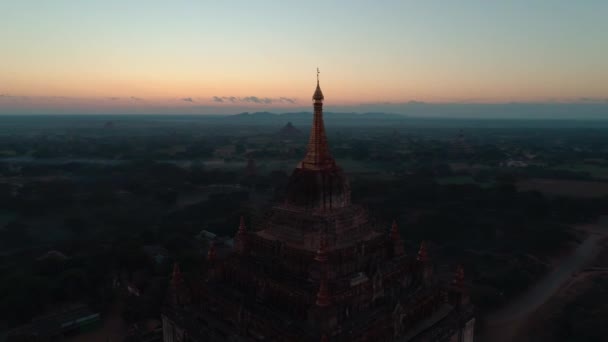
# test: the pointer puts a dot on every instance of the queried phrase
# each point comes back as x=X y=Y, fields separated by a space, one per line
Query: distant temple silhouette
x=460 y=147
x=317 y=269
x=289 y=130
x=251 y=169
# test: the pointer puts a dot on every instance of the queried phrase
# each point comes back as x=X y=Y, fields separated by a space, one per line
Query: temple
x=318 y=269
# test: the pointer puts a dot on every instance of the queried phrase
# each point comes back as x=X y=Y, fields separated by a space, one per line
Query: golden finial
x=318 y=95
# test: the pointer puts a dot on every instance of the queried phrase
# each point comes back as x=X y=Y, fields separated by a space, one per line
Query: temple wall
x=469 y=331
x=168 y=330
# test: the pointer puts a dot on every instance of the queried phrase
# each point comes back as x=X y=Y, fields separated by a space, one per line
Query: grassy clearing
x=596 y=171
x=571 y=188
x=6 y=217
x=456 y=180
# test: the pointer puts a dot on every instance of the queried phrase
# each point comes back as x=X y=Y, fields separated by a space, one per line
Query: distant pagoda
x=317 y=269
x=289 y=130
x=250 y=169
x=460 y=147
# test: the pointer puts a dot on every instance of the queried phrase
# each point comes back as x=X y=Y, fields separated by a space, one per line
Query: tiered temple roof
x=317 y=269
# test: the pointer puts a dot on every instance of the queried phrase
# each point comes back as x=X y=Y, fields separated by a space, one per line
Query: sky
x=214 y=57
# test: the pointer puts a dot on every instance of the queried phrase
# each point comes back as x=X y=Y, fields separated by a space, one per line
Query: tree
x=15 y=233
x=76 y=225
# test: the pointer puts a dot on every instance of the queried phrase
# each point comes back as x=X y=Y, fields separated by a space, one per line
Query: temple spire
x=396 y=238
x=458 y=294
x=423 y=255
x=458 y=280
x=212 y=252
x=317 y=154
x=321 y=255
x=241 y=236
x=177 y=292
x=395 y=231
x=425 y=265
x=242 y=227
x=323 y=298
x=176 y=278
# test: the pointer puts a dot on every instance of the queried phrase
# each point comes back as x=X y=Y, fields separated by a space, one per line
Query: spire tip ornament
x=318 y=95
x=317 y=155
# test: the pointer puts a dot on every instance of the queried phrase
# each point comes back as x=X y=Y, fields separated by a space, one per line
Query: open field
x=5 y=217
x=562 y=187
x=595 y=171
x=456 y=180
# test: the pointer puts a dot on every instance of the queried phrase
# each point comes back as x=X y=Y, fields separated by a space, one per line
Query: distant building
x=158 y=254
x=206 y=235
x=149 y=331
x=224 y=151
x=52 y=255
x=318 y=269
x=56 y=325
x=289 y=131
x=250 y=169
x=460 y=146
x=515 y=163
x=221 y=245
x=133 y=290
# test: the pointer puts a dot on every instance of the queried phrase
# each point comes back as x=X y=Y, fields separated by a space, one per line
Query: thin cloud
x=591 y=100
x=287 y=99
x=136 y=98
x=187 y=99
x=253 y=99
x=15 y=97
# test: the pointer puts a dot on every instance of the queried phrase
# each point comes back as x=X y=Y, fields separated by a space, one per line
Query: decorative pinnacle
x=422 y=253
x=396 y=238
x=211 y=253
x=318 y=94
x=176 y=278
x=323 y=294
x=395 y=231
x=242 y=227
x=241 y=236
x=176 y=286
x=322 y=251
x=458 y=280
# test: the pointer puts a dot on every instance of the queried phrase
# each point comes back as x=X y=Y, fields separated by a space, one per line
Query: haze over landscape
x=187 y=57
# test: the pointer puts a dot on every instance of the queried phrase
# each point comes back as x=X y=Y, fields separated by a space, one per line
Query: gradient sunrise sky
x=208 y=56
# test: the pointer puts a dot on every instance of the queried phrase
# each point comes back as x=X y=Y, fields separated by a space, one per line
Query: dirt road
x=504 y=324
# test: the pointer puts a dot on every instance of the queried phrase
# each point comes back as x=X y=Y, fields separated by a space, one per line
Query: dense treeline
x=503 y=236
x=97 y=198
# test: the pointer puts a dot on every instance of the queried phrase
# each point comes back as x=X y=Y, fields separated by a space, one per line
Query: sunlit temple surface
x=318 y=269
